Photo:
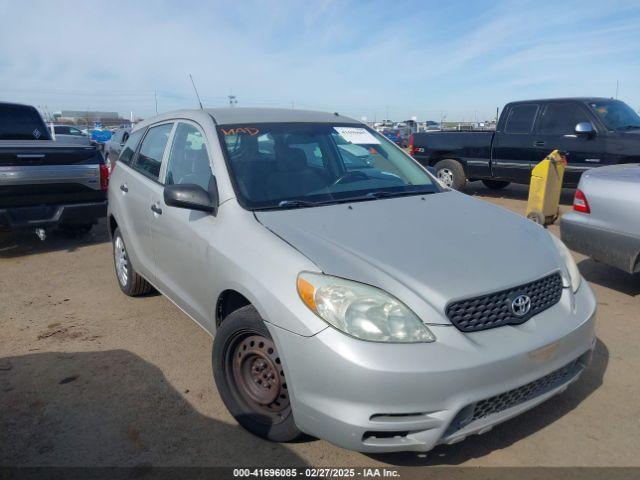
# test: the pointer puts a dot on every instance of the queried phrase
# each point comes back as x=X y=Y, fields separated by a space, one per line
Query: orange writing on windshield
x=241 y=130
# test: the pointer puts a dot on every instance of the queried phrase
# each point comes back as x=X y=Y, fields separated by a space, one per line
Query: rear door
x=512 y=151
x=555 y=129
x=139 y=188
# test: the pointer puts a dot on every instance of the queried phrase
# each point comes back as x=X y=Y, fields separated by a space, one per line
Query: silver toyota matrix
x=351 y=296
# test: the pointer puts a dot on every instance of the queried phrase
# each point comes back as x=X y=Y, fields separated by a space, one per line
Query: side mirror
x=585 y=128
x=191 y=197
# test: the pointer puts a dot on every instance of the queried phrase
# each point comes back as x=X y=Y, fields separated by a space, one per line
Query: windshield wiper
x=628 y=127
x=385 y=194
x=296 y=204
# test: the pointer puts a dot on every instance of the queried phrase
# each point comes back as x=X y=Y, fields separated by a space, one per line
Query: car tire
x=496 y=184
x=248 y=373
x=451 y=173
x=131 y=282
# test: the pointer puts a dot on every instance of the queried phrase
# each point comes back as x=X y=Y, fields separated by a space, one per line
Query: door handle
x=155 y=208
x=539 y=143
x=124 y=188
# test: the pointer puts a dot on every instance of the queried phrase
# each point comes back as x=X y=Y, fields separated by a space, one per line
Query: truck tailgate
x=46 y=172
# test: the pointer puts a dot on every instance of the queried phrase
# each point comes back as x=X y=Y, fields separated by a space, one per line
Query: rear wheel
x=495 y=184
x=451 y=173
x=131 y=283
x=249 y=374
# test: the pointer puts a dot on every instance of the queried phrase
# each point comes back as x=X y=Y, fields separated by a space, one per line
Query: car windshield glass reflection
x=297 y=165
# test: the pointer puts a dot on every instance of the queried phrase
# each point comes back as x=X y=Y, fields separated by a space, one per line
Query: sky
x=434 y=60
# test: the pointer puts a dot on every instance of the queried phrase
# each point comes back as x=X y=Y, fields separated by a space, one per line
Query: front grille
x=494 y=310
x=503 y=401
x=522 y=394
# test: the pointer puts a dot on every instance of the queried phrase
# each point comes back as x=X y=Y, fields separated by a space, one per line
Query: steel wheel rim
x=258 y=375
x=122 y=262
x=445 y=176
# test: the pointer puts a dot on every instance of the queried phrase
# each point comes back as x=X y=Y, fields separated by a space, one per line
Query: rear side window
x=21 y=122
x=152 y=149
x=561 y=119
x=520 y=119
x=130 y=147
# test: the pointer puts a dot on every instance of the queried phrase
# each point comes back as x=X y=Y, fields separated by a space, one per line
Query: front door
x=512 y=145
x=555 y=130
x=182 y=237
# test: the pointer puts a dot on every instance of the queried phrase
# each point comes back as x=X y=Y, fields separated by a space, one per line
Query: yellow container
x=545 y=188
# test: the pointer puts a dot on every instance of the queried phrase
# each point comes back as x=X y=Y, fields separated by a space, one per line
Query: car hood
x=434 y=248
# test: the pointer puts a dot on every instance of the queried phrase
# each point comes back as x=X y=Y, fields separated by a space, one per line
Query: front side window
x=520 y=119
x=290 y=165
x=616 y=115
x=130 y=147
x=152 y=149
x=188 y=158
x=561 y=119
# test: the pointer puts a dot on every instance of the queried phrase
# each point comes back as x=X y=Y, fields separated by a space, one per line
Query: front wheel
x=249 y=374
x=451 y=174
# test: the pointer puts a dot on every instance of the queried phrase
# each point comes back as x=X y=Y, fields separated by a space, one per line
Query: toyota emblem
x=521 y=305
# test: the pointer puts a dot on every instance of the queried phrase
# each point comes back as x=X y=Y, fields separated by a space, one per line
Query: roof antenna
x=196 y=90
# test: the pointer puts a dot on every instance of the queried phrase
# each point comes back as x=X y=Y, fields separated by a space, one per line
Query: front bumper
x=377 y=397
x=610 y=247
x=42 y=216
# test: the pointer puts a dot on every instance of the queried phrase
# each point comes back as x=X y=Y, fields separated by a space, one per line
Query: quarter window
x=561 y=119
x=151 y=151
x=520 y=119
x=188 y=160
x=130 y=147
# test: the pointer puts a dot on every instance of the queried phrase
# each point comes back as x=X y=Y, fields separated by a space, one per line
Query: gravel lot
x=91 y=377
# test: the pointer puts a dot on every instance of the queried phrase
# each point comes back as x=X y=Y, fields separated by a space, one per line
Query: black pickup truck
x=592 y=131
x=44 y=183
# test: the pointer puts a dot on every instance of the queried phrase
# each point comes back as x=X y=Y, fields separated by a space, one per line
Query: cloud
x=408 y=58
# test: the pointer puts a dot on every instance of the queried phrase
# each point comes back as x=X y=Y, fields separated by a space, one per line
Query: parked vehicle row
x=592 y=132
x=114 y=145
x=45 y=183
x=352 y=297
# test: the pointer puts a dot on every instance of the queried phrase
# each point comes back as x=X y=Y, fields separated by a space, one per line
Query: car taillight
x=580 y=203
x=411 y=144
x=104 y=177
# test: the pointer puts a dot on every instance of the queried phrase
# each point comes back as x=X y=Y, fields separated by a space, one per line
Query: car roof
x=562 y=99
x=239 y=115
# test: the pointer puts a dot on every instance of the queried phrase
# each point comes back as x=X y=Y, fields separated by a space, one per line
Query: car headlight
x=572 y=269
x=360 y=310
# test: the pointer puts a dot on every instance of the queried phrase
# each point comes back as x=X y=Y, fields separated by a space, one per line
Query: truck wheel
x=495 y=184
x=451 y=173
x=131 y=283
x=248 y=373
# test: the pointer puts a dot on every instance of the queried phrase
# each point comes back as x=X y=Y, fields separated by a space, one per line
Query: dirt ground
x=91 y=377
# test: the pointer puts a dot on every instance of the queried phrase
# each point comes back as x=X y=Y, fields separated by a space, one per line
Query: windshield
x=291 y=165
x=616 y=115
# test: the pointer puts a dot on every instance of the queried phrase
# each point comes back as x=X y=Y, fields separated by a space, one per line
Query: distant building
x=88 y=117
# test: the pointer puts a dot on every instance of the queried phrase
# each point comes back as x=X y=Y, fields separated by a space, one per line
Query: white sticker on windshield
x=359 y=136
